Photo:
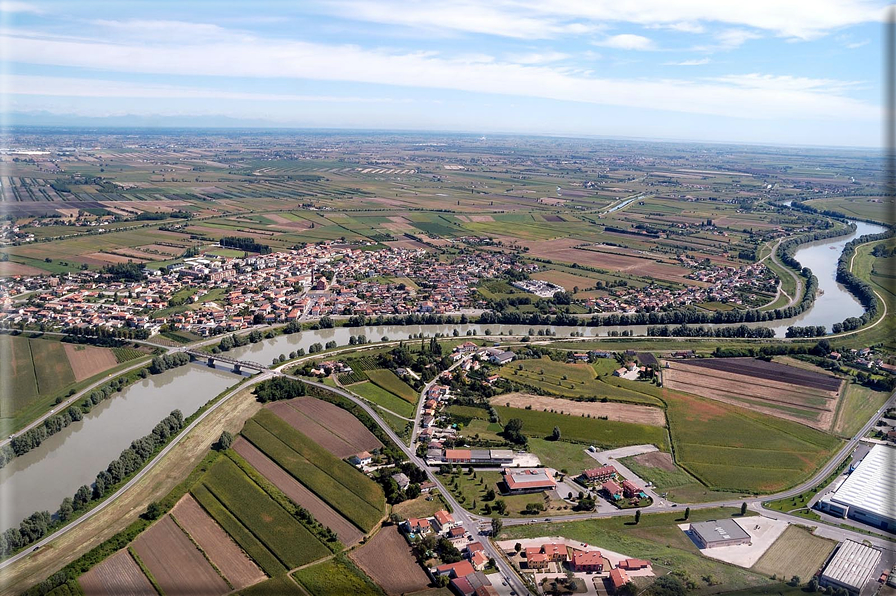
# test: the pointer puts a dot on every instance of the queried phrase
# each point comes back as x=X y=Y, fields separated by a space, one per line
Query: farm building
x=716 y=533
x=867 y=495
x=850 y=567
x=528 y=480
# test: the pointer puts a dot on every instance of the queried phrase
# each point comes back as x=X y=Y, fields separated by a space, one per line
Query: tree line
x=857 y=286
x=725 y=332
x=244 y=244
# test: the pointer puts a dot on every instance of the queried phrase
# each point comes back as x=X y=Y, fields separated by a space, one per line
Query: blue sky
x=767 y=71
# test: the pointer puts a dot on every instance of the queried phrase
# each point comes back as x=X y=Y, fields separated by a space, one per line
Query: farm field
x=336 y=576
x=220 y=549
x=779 y=390
x=732 y=448
x=618 y=412
x=280 y=533
x=119 y=574
x=389 y=381
x=282 y=585
x=795 y=552
x=681 y=487
x=580 y=380
x=386 y=399
x=87 y=361
x=344 y=488
x=589 y=431
x=348 y=534
x=655 y=538
x=387 y=560
x=175 y=562
x=329 y=426
x=856 y=408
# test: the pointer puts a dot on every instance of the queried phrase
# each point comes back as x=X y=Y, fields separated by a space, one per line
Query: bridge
x=238 y=365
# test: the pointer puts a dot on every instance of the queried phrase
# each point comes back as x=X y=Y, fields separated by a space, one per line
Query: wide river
x=41 y=478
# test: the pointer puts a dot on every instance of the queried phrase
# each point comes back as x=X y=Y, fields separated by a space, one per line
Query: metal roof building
x=869 y=493
x=850 y=567
x=716 y=533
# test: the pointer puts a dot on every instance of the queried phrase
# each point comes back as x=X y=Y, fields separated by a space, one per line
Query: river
x=41 y=478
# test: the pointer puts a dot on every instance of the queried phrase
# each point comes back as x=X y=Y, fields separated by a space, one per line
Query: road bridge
x=238 y=365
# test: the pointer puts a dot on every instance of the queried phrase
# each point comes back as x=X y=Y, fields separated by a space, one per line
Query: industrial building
x=851 y=567
x=867 y=494
x=527 y=481
x=716 y=533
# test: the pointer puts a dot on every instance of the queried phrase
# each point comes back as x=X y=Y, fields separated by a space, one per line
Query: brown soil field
x=159 y=248
x=167 y=474
x=333 y=428
x=481 y=218
x=106 y=258
x=657 y=459
x=387 y=559
x=409 y=244
x=772 y=371
x=139 y=254
x=9 y=269
x=119 y=574
x=292 y=488
x=87 y=361
x=613 y=411
x=553 y=218
x=220 y=548
x=175 y=562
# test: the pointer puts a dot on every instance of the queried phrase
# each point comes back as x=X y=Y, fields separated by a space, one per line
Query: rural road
x=130 y=483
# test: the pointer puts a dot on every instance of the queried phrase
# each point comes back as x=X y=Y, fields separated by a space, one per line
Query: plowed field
x=387 y=559
x=330 y=426
x=119 y=574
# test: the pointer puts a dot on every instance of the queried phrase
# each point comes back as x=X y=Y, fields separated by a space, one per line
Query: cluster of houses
x=607 y=478
x=542 y=289
x=314 y=281
x=862 y=358
x=554 y=557
x=731 y=285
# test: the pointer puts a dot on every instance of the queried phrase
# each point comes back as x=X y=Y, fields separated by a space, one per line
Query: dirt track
x=612 y=410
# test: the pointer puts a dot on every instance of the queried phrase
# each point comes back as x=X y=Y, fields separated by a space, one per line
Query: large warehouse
x=867 y=494
x=716 y=533
x=851 y=567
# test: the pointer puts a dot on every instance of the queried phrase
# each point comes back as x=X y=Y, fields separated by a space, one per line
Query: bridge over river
x=238 y=365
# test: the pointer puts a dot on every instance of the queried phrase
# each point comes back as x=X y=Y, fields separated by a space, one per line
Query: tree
x=795 y=581
x=668 y=585
x=743 y=508
x=687 y=512
x=153 y=511
x=555 y=436
x=501 y=506
x=638 y=516
x=82 y=497
x=224 y=441
x=497 y=525
x=517 y=547
x=66 y=509
x=813 y=585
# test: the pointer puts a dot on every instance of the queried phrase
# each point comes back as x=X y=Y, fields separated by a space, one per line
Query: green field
x=656 y=538
x=561 y=455
x=336 y=576
x=588 y=431
x=283 y=535
x=389 y=381
x=856 y=407
x=578 y=381
x=730 y=448
x=51 y=366
x=276 y=586
x=386 y=399
x=356 y=497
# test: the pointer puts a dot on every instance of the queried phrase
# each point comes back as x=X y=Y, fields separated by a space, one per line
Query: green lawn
x=470 y=491
x=388 y=380
x=561 y=455
x=386 y=399
x=657 y=539
x=856 y=407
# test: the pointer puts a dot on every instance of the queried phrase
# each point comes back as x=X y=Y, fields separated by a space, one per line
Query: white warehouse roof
x=872 y=484
x=852 y=565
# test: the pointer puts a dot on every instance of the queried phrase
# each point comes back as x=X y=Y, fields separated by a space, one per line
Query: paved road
x=111 y=499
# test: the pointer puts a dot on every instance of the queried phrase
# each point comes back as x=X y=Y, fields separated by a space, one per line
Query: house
x=475 y=547
x=498 y=356
x=453 y=570
x=444 y=521
x=599 y=475
x=613 y=490
x=457 y=536
x=618 y=578
x=401 y=480
x=361 y=459
x=555 y=553
x=588 y=561
x=535 y=559
x=527 y=480
x=427 y=486
x=630 y=489
x=458 y=456
x=416 y=525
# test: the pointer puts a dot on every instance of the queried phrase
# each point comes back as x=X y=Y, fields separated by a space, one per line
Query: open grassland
x=388 y=560
x=732 y=448
x=779 y=390
x=220 y=549
x=561 y=455
x=175 y=562
x=655 y=538
x=285 y=537
x=353 y=495
x=576 y=381
x=391 y=383
x=612 y=411
x=856 y=408
x=386 y=399
x=336 y=576
x=796 y=552
x=119 y=574
x=588 y=431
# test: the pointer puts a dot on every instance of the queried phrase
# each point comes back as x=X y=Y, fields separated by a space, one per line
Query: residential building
x=599 y=475
x=587 y=561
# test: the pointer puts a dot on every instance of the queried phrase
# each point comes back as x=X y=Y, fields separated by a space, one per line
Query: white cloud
x=858 y=44
x=626 y=41
x=746 y=96
x=787 y=83
x=16 y=6
x=537 y=57
x=694 y=62
x=733 y=38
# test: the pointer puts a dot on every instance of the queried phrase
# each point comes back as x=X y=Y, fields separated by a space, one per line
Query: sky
x=795 y=72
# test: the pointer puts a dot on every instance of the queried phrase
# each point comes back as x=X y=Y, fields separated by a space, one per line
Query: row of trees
x=165 y=362
x=245 y=244
x=857 y=286
x=726 y=332
x=39 y=524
